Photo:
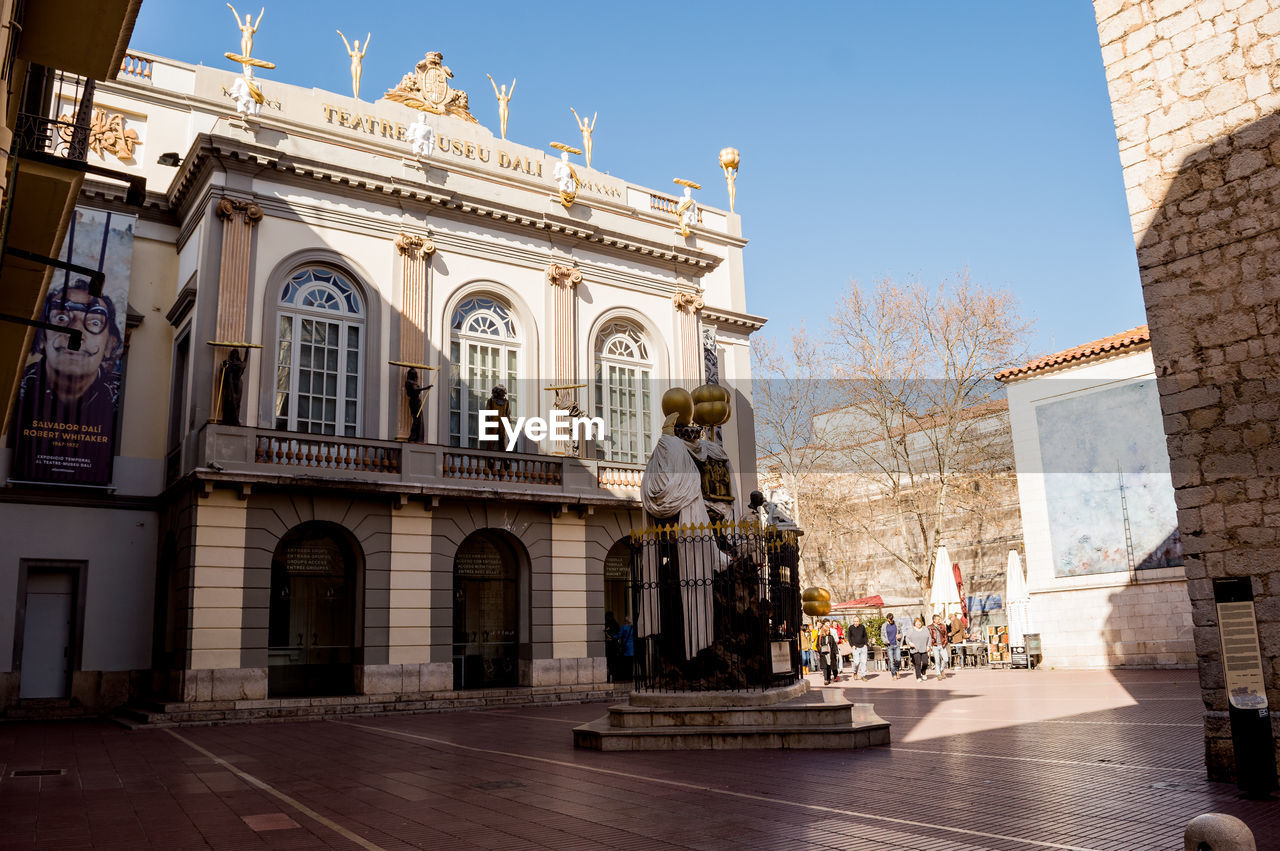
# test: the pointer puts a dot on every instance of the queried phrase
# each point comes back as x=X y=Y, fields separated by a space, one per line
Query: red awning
x=873 y=602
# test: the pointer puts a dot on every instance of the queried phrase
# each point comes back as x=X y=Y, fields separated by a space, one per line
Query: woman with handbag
x=828 y=652
x=917 y=638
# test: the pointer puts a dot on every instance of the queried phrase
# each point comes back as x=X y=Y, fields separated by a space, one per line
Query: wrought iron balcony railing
x=54 y=120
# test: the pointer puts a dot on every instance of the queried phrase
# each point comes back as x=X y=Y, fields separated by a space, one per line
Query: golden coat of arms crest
x=427 y=88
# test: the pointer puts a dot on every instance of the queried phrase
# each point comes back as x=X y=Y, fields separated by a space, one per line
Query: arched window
x=318 y=357
x=484 y=350
x=622 y=378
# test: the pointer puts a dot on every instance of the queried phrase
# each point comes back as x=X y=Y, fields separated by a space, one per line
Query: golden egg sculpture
x=729 y=158
x=816 y=602
x=711 y=405
x=678 y=401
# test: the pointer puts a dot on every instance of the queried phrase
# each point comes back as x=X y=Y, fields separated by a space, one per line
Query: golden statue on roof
x=427 y=88
x=587 y=128
x=357 y=55
x=504 y=102
x=248 y=28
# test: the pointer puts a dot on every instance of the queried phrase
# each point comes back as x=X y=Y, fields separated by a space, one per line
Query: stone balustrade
x=136 y=67
x=242 y=452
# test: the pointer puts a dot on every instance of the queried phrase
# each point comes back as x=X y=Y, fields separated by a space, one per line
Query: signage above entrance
x=314 y=557
x=479 y=562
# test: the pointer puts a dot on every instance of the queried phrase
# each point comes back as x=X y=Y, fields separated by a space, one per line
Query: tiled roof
x=1139 y=336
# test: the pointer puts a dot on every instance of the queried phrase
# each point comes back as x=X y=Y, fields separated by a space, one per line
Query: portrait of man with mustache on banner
x=68 y=398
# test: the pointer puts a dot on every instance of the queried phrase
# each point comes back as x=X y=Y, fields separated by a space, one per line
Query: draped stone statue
x=231 y=386
x=417 y=395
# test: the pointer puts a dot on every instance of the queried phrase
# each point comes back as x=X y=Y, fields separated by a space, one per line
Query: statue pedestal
x=787 y=717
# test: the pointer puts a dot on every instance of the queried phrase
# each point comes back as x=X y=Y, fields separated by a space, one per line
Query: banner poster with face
x=65 y=421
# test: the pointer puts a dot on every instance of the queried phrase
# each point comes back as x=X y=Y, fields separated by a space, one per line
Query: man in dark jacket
x=891 y=638
x=858 y=640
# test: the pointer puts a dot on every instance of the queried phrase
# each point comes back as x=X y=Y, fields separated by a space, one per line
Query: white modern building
x=1103 y=553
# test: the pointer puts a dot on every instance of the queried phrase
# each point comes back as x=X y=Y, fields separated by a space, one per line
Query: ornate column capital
x=410 y=245
x=563 y=276
x=690 y=302
x=229 y=207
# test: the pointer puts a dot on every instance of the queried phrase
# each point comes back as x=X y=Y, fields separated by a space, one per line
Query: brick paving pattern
x=984 y=759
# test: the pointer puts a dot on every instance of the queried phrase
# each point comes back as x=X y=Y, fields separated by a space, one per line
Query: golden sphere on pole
x=678 y=401
x=816 y=602
x=816 y=609
x=710 y=405
x=816 y=595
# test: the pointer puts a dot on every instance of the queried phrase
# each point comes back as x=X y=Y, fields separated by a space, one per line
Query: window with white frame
x=320 y=339
x=484 y=350
x=622 y=376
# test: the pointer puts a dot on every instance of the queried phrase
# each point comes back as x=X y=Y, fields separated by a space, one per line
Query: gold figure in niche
x=587 y=129
x=357 y=59
x=504 y=101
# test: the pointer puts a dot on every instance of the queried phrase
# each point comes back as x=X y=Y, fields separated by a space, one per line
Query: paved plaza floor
x=984 y=759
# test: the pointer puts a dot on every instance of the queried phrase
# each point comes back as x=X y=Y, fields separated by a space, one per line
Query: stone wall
x=1195 y=87
x=1146 y=624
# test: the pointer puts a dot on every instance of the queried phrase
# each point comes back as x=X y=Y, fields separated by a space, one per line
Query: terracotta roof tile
x=1139 y=336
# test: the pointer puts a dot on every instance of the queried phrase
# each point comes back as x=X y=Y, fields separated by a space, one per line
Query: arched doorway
x=618 y=611
x=311 y=645
x=486 y=612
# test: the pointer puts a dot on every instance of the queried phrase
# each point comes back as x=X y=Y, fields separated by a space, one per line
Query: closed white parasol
x=944 y=592
x=1017 y=602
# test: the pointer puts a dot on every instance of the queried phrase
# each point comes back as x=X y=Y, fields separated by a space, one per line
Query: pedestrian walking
x=918 y=639
x=837 y=632
x=858 y=641
x=828 y=653
x=892 y=650
x=940 y=645
x=806 y=649
x=612 y=650
x=627 y=643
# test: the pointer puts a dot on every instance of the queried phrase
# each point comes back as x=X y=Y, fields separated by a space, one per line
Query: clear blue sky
x=902 y=139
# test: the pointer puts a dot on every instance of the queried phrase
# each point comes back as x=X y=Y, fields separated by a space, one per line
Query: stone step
x=626 y=716
x=145 y=714
x=600 y=735
x=728 y=721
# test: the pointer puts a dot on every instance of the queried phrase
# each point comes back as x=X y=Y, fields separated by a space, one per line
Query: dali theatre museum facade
x=261 y=475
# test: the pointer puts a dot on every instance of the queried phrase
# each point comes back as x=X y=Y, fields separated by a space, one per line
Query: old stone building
x=856 y=541
x=1195 y=89
x=281 y=508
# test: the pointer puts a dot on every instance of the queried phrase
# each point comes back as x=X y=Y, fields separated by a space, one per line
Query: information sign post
x=1251 y=736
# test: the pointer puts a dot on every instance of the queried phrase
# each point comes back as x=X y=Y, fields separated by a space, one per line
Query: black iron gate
x=717 y=607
